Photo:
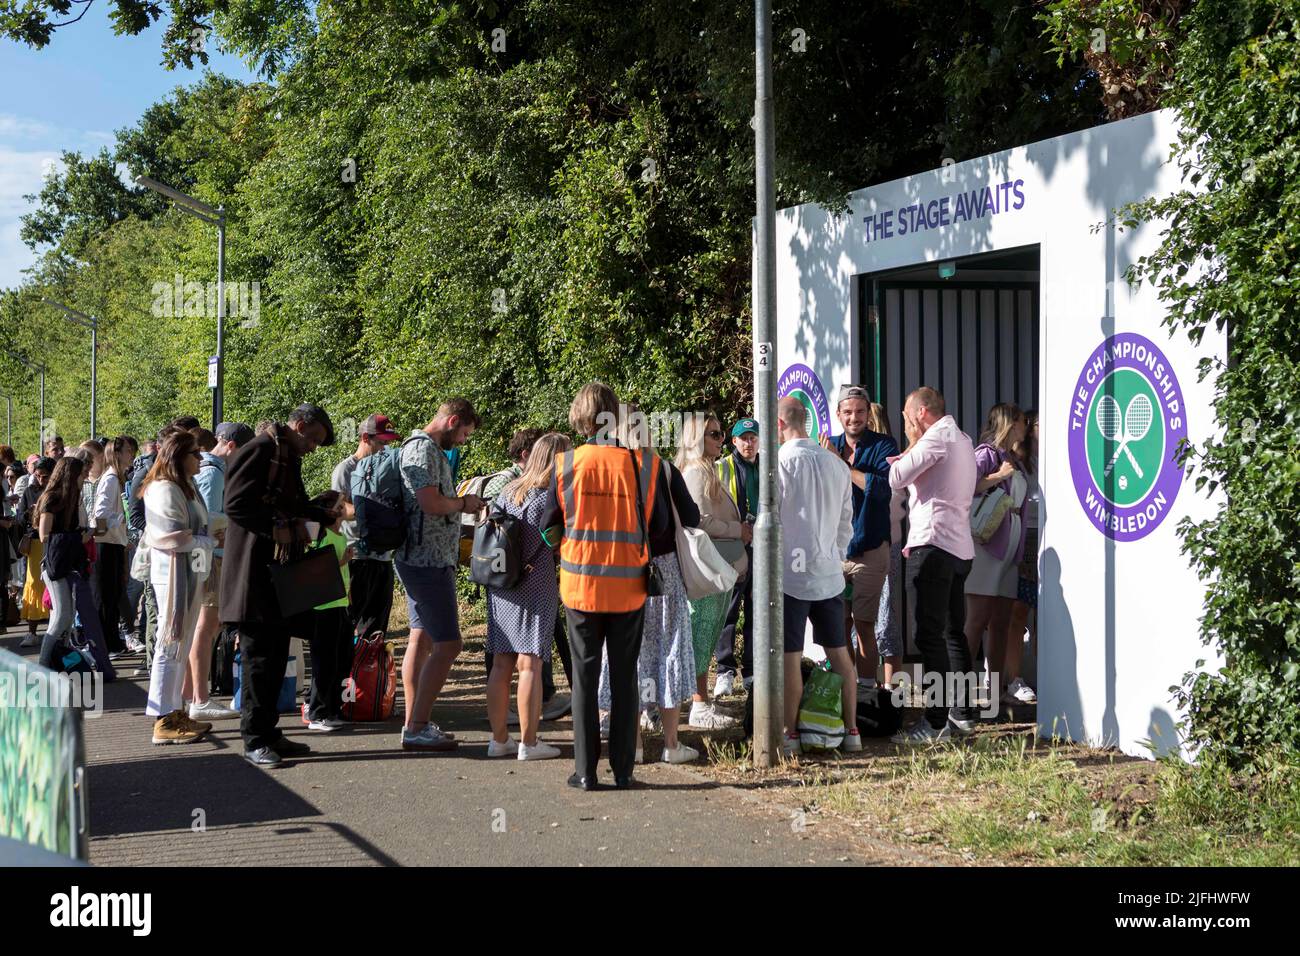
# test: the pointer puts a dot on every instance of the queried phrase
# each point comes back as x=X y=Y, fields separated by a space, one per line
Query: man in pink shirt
x=939 y=467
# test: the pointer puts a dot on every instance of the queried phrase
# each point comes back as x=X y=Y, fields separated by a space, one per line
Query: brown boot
x=185 y=720
x=168 y=730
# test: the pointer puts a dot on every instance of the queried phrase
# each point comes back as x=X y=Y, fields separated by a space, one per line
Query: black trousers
x=742 y=596
x=110 y=587
x=331 y=661
x=620 y=636
x=263 y=657
x=548 y=666
x=372 y=595
x=936 y=582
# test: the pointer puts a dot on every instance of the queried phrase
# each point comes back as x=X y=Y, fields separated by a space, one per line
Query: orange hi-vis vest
x=603 y=554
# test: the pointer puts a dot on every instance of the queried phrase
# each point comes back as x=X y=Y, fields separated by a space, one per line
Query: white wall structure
x=1118 y=603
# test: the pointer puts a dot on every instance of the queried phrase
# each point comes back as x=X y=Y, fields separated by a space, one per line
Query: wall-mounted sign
x=803 y=383
x=1127 y=416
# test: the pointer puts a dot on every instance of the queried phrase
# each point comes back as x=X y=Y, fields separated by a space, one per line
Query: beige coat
x=719 y=517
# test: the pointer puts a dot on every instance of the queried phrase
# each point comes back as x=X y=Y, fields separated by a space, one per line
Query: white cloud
x=20 y=127
x=21 y=173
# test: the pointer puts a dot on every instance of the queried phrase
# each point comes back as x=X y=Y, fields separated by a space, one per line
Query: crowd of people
x=154 y=548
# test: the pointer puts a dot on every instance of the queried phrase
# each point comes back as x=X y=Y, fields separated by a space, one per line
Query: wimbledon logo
x=803 y=383
x=1127 y=417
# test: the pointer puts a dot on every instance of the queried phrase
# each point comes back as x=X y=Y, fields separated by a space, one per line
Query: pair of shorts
x=865 y=576
x=827 y=616
x=431 y=600
x=212 y=586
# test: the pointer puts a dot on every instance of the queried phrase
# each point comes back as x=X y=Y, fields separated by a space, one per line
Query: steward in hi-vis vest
x=604 y=550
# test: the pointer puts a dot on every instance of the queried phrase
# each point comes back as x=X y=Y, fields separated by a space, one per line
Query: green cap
x=744 y=426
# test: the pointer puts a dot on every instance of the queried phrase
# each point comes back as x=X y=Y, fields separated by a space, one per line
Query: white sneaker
x=508 y=749
x=650 y=721
x=134 y=645
x=211 y=710
x=538 y=751
x=679 y=754
x=324 y=726
x=706 y=717
x=852 y=742
x=1021 y=692
x=29 y=640
x=790 y=746
x=725 y=685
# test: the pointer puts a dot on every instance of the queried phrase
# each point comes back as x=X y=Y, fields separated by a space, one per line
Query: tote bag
x=704 y=571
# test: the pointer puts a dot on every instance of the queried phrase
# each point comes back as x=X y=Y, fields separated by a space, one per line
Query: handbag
x=988 y=513
x=705 y=572
x=307 y=581
x=654 y=582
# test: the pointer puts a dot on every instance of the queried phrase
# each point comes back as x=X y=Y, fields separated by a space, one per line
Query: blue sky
x=74 y=94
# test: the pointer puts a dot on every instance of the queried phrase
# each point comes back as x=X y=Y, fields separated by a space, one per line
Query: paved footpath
x=358 y=799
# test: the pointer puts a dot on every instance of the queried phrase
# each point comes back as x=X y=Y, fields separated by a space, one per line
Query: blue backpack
x=377 y=496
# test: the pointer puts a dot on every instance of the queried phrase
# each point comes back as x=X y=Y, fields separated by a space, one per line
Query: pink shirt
x=940 y=468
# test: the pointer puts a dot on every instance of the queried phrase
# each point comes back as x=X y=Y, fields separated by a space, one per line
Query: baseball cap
x=237 y=432
x=378 y=426
x=31 y=460
x=853 y=391
x=744 y=426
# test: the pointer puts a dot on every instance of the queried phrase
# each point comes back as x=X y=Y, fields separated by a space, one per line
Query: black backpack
x=879 y=715
x=497 y=560
x=223 y=662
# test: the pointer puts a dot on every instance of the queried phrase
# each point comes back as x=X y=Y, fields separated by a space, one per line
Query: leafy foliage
x=1231 y=260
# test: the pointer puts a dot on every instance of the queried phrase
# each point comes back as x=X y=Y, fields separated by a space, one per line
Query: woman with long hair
x=1024 y=612
x=521 y=619
x=701 y=445
x=179 y=554
x=60 y=521
x=993 y=583
x=109 y=520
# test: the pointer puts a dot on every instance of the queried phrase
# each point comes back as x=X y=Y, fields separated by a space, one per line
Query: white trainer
x=507 y=749
x=706 y=717
x=790 y=746
x=725 y=685
x=211 y=710
x=538 y=751
x=680 y=754
x=324 y=726
x=1021 y=692
x=852 y=742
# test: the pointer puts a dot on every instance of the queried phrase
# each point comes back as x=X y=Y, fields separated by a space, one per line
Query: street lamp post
x=92 y=323
x=213 y=217
x=35 y=368
x=769 y=660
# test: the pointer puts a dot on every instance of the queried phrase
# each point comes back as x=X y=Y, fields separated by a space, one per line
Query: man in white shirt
x=816 y=525
x=939 y=467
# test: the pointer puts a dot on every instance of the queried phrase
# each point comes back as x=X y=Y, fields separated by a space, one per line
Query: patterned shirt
x=432 y=541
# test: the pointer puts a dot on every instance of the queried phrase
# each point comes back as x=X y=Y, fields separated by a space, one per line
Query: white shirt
x=816 y=519
x=940 y=468
x=108 y=508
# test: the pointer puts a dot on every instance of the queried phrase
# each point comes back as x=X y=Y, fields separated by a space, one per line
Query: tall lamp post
x=769 y=669
x=86 y=322
x=35 y=368
x=213 y=217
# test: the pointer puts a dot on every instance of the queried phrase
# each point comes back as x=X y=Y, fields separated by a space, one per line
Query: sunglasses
x=713 y=434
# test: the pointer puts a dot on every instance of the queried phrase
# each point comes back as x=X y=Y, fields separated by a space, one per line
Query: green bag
x=821 y=720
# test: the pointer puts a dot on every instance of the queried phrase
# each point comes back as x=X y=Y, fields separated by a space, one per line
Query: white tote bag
x=705 y=572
